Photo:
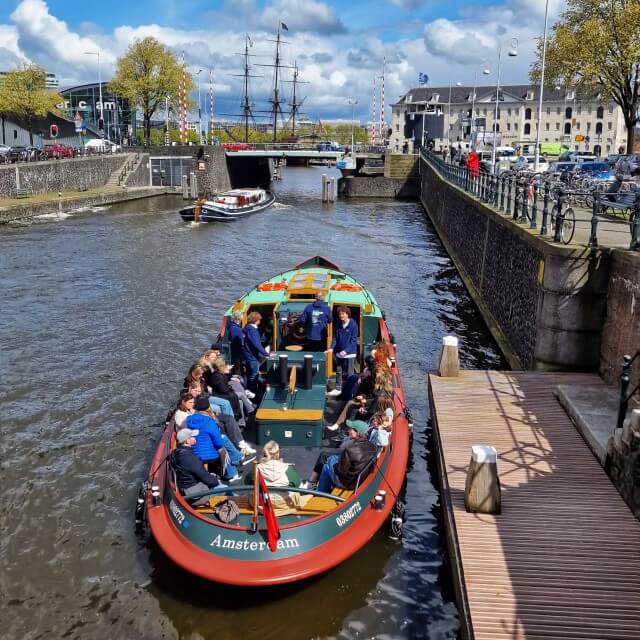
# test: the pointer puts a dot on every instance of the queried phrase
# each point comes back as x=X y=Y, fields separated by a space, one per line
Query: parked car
x=59 y=150
x=4 y=152
x=627 y=164
x=600 y=170
x=577 y=156
x=543 y=165
x=101 y=145
x=559 y=168
x=329 y=145
x=17 y=154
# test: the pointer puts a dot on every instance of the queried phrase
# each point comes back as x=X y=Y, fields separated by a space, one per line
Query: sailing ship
x=325 y=528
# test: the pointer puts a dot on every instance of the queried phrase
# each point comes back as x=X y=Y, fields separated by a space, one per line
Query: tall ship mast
x=295 y=102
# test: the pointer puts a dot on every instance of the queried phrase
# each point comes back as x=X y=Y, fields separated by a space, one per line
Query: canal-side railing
x=625 y=383
x=536 y=200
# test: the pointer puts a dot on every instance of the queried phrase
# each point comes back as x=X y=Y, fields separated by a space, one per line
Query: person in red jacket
x=473 y=164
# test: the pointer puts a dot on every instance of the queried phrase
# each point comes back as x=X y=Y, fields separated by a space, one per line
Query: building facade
x=576 y=120
x=119 y=118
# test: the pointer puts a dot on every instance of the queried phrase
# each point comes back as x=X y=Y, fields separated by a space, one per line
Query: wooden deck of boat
x=562 y=561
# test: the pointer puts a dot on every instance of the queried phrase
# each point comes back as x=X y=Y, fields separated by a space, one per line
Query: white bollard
x=482 y=486
x=332 y=190
x=324 y=187
x=449 y=366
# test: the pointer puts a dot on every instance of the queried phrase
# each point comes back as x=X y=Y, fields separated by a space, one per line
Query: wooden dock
x=562 y=561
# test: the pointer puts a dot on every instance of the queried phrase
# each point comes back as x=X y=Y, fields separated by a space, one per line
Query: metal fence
x=538 y=201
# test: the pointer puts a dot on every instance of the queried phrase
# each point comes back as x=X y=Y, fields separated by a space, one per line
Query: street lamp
x=458 y=84
x=199 y=107
x=485 y=72
x=544 y=54
x=97 y=53
x=513 y=52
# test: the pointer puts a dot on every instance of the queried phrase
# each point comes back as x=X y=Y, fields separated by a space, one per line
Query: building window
x=547 y=126
x=484 y=112
x=397 y=127
x=558 y=110
x=508 y=126
x=527 y=129
x=600 y=113
x=609 y=125
x=15 y=134
x=515 y=126
x=509 y=111
x=579 y=108
x=567 y=128
x=498 y=113
x=527 y=114
x=548 y=111
x=497 y=126
x=610 y=108
x=598 y=128
x=608 y=148
x=568 y=112
x=577 y=126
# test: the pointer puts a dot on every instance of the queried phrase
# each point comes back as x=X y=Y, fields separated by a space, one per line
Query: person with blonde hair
x=277 y=473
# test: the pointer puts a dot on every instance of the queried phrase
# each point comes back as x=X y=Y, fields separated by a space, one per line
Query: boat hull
x=234 y=554
x=211 y=213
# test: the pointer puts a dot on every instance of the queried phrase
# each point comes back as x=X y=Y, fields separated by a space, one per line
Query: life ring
x=273 y=286
x=345 y=286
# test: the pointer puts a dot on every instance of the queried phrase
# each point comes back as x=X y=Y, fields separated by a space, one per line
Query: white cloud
x=338 y=79
x=302 y=15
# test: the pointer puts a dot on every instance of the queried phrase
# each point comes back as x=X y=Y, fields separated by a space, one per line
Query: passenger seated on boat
x=223 y=384
x=183 y=409
x=345 y=342
x=210 y=444
x=253 y=352
x=191 y=476
x=380 y=428
x=315 y=318
x=381 y=355
x=219 y=405
x=343 y=470
x=215 y=377
x=277 y=473
x=357 y=383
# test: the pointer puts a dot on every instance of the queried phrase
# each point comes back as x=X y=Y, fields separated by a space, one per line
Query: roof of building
x=517 y=91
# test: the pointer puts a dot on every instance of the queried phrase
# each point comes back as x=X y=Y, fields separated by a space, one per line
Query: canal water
x=103 y=311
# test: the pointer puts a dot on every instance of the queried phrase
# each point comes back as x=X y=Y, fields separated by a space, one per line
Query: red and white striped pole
x=372 y=129
x=183 y=103
x=210 y=106
x=382 y=132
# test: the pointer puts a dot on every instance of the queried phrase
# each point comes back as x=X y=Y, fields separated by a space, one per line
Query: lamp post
x=544 y=54
x=449 y=112
x=199 y=107
x=97 y=53
x=513 y=51
x=353 y=104
x=485 y=72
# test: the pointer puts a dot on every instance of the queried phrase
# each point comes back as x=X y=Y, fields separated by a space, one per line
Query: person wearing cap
x=210 y=444
x=344 y=470
x=315 y=318
x=191 y=475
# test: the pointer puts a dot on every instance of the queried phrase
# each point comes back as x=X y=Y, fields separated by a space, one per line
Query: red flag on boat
x=273 y=530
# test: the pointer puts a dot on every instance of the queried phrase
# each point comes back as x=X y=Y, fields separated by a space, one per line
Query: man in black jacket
x=343 y=470
x=191 y=475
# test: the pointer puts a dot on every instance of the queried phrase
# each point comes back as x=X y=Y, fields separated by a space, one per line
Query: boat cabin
x=238 y=198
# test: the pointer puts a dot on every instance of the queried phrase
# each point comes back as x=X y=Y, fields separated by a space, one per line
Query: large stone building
x=574 y=119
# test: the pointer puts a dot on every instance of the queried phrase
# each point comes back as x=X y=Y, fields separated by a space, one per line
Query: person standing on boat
x=191 y=476
x=345 y=343
x=236 y=341
x=316 y=317
x=253 y=351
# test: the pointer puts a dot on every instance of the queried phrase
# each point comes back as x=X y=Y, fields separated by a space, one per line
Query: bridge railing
x=526 y=196
x=298 y=146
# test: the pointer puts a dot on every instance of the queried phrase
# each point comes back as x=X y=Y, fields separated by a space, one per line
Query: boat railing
x=245 y=488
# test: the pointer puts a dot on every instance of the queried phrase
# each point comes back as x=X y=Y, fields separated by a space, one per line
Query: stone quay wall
x=141 y=176
x=545 y=304
x=378 y=187
x=58 y=175
x=621 y=332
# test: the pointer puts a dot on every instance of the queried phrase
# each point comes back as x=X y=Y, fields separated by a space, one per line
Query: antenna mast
x=276 y=90
x=246 y=106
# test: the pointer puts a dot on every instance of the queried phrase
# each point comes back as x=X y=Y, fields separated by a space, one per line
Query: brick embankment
x=12 y=210
x=379 y=187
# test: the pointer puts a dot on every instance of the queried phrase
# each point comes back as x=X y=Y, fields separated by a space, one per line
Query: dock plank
x=562 y=560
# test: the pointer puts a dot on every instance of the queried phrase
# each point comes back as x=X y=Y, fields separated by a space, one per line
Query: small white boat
x=347 y=165
x=228 y=205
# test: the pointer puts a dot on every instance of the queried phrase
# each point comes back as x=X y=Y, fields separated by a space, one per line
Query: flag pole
x=254 y=518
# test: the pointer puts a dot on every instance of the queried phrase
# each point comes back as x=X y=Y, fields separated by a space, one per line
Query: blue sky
x=339 y=46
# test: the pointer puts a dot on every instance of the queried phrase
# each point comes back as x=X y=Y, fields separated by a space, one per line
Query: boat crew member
x=236 y=341
x=315 y=317
x=345 y=342
x=191 y=475
x=343 y=470
x=210 y=444
x=253 y=351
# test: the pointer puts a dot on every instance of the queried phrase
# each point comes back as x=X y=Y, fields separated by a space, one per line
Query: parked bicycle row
x=546 y=201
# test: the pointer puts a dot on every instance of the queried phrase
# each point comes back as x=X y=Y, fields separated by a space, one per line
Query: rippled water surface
x=102 y=313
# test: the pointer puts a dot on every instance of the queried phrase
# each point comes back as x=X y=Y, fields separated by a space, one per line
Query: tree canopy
x=596 y=46
x=146 y=75
x=24 y=96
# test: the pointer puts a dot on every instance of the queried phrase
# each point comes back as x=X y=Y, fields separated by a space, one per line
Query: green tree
x=596 y=46
x=146 y=75
x=24 y=96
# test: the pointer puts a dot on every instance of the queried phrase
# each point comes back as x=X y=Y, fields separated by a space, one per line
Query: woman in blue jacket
x=252 y=350
x=345 y=342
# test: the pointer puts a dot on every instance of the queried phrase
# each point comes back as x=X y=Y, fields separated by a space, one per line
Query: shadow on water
x=103 y=312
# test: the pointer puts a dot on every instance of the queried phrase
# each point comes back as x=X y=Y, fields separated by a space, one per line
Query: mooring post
x=324 y=187
x=332 y=189
x=545 y=209
x=482 y=486
x=449 y=366
x=185 y=187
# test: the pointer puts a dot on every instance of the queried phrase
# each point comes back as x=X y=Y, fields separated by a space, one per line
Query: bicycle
x=568 y=224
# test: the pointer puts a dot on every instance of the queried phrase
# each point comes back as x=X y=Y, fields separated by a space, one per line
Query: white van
x=101 y=144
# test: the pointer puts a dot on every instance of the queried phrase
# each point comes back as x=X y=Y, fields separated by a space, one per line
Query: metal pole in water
x=324 y=187
x=332 y=189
